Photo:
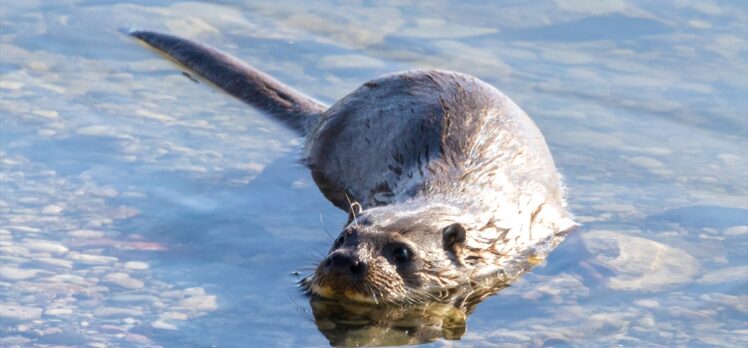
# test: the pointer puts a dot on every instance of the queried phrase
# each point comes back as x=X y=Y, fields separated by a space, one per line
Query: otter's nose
x=345 y=263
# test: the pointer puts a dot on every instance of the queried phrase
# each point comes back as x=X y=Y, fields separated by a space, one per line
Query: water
x=140 y=208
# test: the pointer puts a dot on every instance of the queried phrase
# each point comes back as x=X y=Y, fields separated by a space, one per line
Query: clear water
x=140 y=208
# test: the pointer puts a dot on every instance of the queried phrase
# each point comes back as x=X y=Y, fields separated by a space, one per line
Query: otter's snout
x=345 y=263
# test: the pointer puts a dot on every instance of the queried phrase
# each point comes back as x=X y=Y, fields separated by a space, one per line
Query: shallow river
x=138 y=208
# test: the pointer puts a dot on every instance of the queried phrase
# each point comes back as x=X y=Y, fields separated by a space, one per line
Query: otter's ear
x=453 y=237
x=354 y=210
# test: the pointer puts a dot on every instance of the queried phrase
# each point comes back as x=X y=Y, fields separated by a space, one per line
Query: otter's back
x=417 y=131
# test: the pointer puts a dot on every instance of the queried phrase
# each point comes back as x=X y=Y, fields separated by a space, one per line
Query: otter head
x=393 y=254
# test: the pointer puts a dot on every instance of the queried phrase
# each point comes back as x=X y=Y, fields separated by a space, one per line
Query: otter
x=445 y=179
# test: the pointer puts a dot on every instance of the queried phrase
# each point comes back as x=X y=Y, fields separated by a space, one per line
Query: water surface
x=140 y=208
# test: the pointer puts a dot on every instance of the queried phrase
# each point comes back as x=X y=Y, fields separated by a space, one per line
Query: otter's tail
x=242 y=81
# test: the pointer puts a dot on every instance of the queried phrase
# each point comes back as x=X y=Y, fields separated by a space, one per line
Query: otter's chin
x=330 y=293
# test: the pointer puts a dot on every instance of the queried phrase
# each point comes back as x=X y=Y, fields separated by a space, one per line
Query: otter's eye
x=401 y=254
x=339 y=241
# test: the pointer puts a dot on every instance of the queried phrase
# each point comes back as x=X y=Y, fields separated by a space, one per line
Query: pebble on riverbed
x=71 y=278
x=123 y=280
x=12 y=311
x=136 y=265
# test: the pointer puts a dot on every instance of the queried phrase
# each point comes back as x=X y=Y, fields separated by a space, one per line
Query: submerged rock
x=639 y=263
x=200 y=303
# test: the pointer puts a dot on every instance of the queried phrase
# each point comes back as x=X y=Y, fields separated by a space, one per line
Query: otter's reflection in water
x=346 y=323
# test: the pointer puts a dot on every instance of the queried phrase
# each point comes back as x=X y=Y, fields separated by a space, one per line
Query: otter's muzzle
x=346 y=264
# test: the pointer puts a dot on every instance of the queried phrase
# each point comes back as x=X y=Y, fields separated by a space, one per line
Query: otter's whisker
x=324 y=228
x=351 y=209
x=374 y=295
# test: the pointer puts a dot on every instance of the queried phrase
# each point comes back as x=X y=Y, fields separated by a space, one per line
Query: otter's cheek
x=357 y=296
x=324 y=291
